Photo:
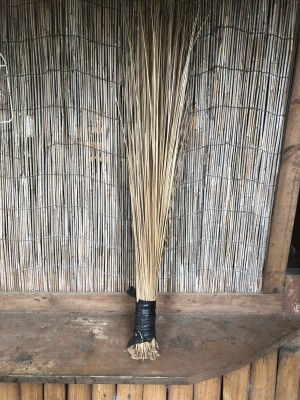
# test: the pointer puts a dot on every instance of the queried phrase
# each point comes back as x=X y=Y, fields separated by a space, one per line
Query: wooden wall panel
x=208 y=390
x=182 y=392
x=79 y=392
x=55 y=392
x=157 y=392
x=31 y=391
x=10 y=391
x=103 y=392
x=236 y=384
x=130 y=392
x=263 y=378
x=288 y=376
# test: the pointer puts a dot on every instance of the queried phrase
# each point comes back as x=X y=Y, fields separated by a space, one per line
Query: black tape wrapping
x=144 y=330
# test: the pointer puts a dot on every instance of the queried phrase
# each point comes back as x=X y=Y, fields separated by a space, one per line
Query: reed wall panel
x=65 y=219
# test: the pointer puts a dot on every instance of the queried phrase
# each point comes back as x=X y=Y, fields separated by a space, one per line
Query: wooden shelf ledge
x=88 y=347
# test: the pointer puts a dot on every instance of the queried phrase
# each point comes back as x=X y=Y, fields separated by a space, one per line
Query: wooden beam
x=121 y=303
x=292 y=292
x=91 y=348
x=286 y=195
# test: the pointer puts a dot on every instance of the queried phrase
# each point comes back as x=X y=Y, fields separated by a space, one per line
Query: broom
x=156 y=66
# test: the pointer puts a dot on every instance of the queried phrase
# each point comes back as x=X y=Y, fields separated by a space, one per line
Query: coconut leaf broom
x=156 y=65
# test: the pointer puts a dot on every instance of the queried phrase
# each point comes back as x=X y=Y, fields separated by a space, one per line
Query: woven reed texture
x=65 y=221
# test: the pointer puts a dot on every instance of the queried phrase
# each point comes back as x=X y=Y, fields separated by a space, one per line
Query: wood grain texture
x=157 y=392
x=79 y=392
x=31 y=391
x=182 y=392
x=10 y=391
x=69 y=347
x=263 y=378
x=121 y=303
x=288 y=376
x=55 y=391
x=286 y=195
x=236 y=384
x=208 y=390
x=292 y=293
x=103 y=392
x=129 y=392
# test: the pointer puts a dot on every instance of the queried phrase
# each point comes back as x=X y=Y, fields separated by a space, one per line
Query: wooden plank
x=263 y=378
x=69 y=347
x=157 y=392
x=103 y=392
x=79 y=392
x=286 y=195
x=236 y=384
x=31 y=391
x=123 y=304
x=55 y=391
x=208 y=390
x=292 y=293
x=10 y=391
x=128 y=391
x=288 y=377
x=182 y=392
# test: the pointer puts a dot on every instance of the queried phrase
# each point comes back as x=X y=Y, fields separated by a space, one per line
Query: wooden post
x=263 y=378
x=103 y=392
x=31 y=391
x=182 y=392
x=157 y=392
x=236 y=384
x=132 y=392
x=208 y=390
x=79 y=392
x=286 y=195
x=53 y=391
x=9 y=391
x=288 y=375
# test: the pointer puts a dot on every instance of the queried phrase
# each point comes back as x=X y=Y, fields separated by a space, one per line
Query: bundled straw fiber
x=156 y=68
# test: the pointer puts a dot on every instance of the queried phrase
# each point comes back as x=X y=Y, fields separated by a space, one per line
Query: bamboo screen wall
x=65 y=221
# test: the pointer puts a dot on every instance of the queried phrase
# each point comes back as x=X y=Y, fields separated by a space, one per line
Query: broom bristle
x=156 y=75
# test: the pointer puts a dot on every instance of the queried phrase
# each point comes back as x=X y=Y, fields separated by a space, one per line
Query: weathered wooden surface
x=292 y=291
x=232 y=386
x=263 y=378
x=31 y=391
x=121 y=303
x=103 y=392
x=236 y=384
x=10 y=391
x=181 y=392
x=72 y=347
x=288 y=376
x=208 y=390
x=56 y=391
x=286 y=195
